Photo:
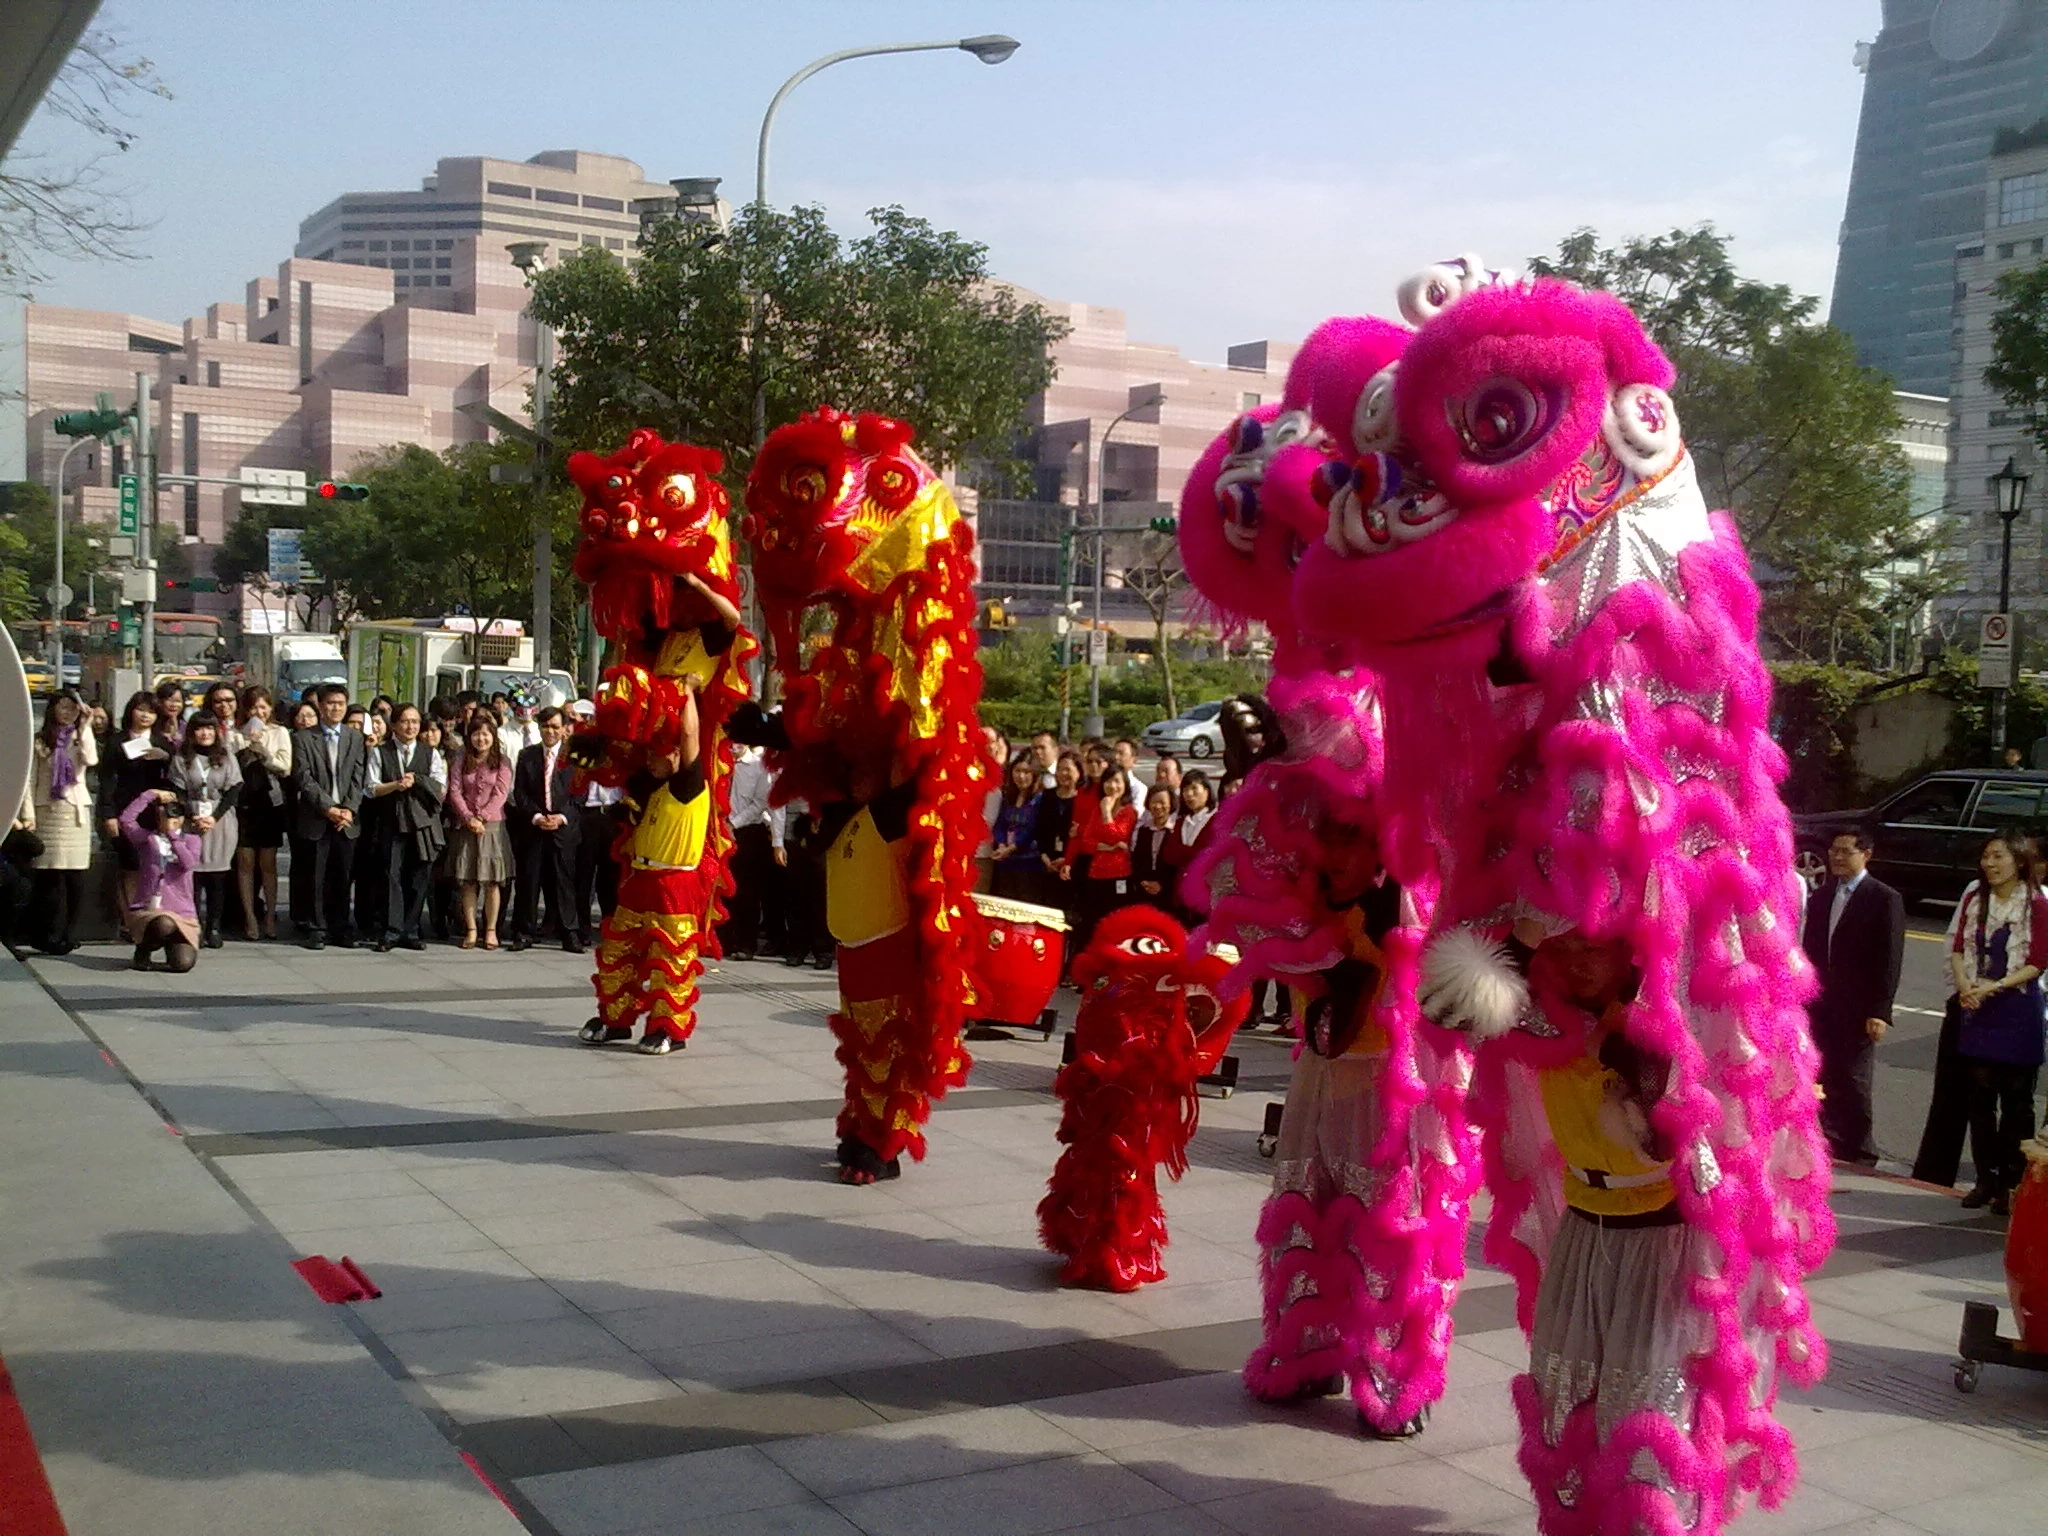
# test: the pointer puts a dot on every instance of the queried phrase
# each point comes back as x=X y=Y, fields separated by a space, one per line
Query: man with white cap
x=597 y=873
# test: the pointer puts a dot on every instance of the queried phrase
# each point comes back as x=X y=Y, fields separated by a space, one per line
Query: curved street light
x=991 y=48
x=1092 y=726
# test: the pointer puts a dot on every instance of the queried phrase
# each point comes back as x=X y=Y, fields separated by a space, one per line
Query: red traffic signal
x=340 y=490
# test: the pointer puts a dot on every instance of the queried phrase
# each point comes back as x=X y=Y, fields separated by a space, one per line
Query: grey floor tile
x=486 y=1301
x=1130 y=1416
x=705 y=1485
x=1911 y=1465
x=814 y=1518
x=1007 y=1501
x=2000 y=1509
x=1312 y=1445
x=921 y=1450
x=859 y=1344
x=1414 y=1496
x=508 y=1392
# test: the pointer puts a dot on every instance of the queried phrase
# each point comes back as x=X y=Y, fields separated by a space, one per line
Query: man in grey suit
x=331 y=771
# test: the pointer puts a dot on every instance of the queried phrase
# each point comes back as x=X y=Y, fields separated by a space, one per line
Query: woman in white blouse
x=61 y=811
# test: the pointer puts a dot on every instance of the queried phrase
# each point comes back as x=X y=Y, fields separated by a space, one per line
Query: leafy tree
x=1787 y=430
x=17 y=597
x=1154 y=573
x=68 y=206
x=2019 y=347
x=904 y=320
x=25 y=510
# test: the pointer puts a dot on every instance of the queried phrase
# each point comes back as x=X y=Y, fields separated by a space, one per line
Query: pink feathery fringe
x=1657 y=822
x=1392 y=1336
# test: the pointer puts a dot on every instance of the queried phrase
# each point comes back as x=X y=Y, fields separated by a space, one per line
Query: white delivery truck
x=290 y=664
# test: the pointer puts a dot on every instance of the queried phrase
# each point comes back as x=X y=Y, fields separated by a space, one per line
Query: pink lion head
x=1515 y=407
x=1247 y=514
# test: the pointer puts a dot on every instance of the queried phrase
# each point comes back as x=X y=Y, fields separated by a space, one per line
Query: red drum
x=2026 y=1251
x=1019 y=964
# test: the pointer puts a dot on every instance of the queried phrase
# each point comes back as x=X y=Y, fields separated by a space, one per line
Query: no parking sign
x=1994 y=651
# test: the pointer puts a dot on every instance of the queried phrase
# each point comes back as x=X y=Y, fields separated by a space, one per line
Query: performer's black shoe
x=821 y=962
x=597 y=1032
x=859 y=1163
x=740 y=956
x=795 y=960
x=1408 y=1431
x=1979 y=1197
x=658 y=1043
x=572 y=945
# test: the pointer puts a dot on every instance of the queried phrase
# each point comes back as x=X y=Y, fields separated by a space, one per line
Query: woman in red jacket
x=1103 y=825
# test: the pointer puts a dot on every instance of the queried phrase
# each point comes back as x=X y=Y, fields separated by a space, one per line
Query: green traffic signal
x=1164 y=525
x=90 y=423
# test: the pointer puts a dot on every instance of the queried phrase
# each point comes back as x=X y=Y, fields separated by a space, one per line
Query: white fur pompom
x=1470 y=983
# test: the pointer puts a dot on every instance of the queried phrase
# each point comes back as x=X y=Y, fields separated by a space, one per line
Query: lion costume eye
x=678 y=493
x=1148 y=944
x=1501 y=420
x=806 y=484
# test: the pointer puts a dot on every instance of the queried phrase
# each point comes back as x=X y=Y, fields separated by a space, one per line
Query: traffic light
x=101 y=421
x=191 y=584
x=341 y=490
x=1164 y=525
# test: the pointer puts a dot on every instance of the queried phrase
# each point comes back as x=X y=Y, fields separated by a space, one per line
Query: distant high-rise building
x=564 y=198
x=1941 y=78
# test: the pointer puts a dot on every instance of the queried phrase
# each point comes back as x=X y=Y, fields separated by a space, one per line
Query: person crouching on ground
x=162 y=914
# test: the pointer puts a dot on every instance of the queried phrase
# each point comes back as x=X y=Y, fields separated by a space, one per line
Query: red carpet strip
x=27 y=1507
x=335 y=1282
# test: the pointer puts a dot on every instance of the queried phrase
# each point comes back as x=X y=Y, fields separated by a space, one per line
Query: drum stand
x=1047 y=1021
x=1981 y=1345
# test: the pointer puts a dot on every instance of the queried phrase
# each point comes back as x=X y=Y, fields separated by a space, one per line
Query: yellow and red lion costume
x=657 y=555
x=865 y=570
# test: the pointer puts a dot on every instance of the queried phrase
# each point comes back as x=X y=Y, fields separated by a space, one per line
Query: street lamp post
x=526 y=256
x=991 y=48
x=2009 y=497
x=1092 y=726
x=57 y=603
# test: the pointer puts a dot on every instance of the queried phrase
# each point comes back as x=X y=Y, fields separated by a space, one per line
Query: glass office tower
x=1942 y=78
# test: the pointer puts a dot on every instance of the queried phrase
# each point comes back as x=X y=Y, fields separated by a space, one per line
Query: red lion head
x=1138 y=977
x=653 y=513
x=823 y=489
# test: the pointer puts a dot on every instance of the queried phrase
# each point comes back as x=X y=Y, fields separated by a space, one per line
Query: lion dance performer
x=865 y=569
x=657 y=555
x=1150 y=1024
x=1362 y=1242
x=1576 y=729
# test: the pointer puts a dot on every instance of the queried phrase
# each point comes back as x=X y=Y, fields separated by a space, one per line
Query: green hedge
x=1018 y=720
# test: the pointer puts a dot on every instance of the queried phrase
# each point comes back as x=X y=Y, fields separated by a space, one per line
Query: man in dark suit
x=331 y=770
x=543 y=805
x=1855 y=935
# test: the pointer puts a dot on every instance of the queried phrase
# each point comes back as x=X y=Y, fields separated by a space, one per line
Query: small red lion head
x=653 y=512
x=1138 y=968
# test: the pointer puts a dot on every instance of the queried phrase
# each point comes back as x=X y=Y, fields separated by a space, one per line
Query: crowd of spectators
x=464 y=822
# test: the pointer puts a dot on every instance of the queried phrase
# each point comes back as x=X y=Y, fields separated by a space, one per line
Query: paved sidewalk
x=630 y=1289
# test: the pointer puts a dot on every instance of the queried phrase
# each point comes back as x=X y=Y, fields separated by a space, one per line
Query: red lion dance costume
x=866 y=569
x=1149 y=1026
x=1576 y=742
x=1362 y=1242
x=657 y=555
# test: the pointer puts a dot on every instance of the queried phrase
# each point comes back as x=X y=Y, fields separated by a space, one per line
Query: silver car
x=1192 y=733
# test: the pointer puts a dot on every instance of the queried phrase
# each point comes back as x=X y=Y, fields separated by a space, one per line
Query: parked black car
x=1928 y=833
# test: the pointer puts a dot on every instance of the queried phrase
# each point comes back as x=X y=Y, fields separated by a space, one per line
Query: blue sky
x=1223 y=172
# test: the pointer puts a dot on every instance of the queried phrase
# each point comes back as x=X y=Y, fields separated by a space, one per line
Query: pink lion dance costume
x=657 y=554
x=1575 y=718
x=1362 y=1243
x=1150 y=1024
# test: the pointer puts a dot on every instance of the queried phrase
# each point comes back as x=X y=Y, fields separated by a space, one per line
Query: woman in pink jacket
x=162 y=914
x=480 y=852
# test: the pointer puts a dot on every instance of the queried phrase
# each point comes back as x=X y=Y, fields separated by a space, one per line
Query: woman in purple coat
x=162 y=914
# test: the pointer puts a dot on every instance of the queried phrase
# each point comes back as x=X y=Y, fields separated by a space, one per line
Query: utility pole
x=543 y=523
x=145 y=529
